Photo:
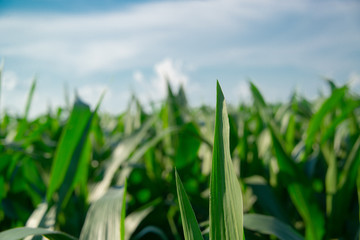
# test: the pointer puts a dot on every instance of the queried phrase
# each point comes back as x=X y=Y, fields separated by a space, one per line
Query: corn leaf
x=300 y=194
x=24 y=123
x=105 y=218
x=292 y=178
x=317 y=119
x=118 y=157
x=271 y=226
x=226 y=208
x=22 y=232
x=69 y=151
x=345 y=188
x=190 y=225
x=267 y=198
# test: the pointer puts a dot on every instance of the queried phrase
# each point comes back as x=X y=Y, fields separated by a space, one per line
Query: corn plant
x=257 y=171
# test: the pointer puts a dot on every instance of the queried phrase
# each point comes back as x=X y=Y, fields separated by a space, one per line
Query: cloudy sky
x=127 y=47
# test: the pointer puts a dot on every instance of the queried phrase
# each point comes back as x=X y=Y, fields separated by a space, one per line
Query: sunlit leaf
x=226 y=208
x=105 y=218
x=22 y=232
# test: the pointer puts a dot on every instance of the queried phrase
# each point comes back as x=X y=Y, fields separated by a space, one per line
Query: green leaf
x=134 y=219
x=226 y=208
x=358 y=192
x=317 y=119
x=271 y=226
x=266 y=197
x=69 y=151
x=22 y=232
x=190 y=225
x=22 y=127
x=105 y=218
x=292 y=177
x=188 y=145
x=118 y=157
x=345 y=189
x=301 y=196
x=346 y=111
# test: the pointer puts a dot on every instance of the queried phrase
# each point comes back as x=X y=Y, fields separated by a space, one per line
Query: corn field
x=254 y=171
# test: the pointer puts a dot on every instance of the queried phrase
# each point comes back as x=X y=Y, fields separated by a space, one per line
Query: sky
x=132 y=47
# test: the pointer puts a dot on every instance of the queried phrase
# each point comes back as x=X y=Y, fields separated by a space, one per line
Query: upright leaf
x=190 y=225
x=69 y=150
x=226 y=208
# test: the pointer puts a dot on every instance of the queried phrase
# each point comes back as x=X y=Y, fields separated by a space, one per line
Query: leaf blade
x=226 y=209
x=22 y=232
x=105 y=218
x=271 y=226
x=189 y=222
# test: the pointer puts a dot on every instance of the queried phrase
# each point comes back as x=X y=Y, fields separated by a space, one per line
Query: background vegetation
x=97 y=176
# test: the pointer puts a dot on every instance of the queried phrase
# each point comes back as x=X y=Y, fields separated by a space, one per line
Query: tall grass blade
x=271 y=226
x=226 y=207
x=22 y=232
x=105 y=218
x=190 y=225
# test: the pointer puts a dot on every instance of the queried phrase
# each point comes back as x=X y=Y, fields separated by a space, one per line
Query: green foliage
x=271 y=170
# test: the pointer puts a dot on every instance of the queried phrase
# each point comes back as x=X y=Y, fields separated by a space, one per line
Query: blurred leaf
x=301 y=195
x=345 y=189
x=69 y=151
x=292 y=178
x=267 y=198
x=119 y=155
x=226 y=208
x=271 y=226
x=22 y=232
x=346 y=111
x=317 y=119
x=189 y=222
x=105 y=218
x=133 y=220
x=141 y=151
x=22 y=127
x=37 y=215
x=188 y=145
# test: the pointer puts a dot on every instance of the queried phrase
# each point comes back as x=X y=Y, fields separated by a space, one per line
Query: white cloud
x=138 y=77
x=155 y=88
x=168 y=70
x=200 y=31
x=317 y=37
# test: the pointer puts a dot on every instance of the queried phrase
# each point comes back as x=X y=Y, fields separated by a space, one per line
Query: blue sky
x=130 y=46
